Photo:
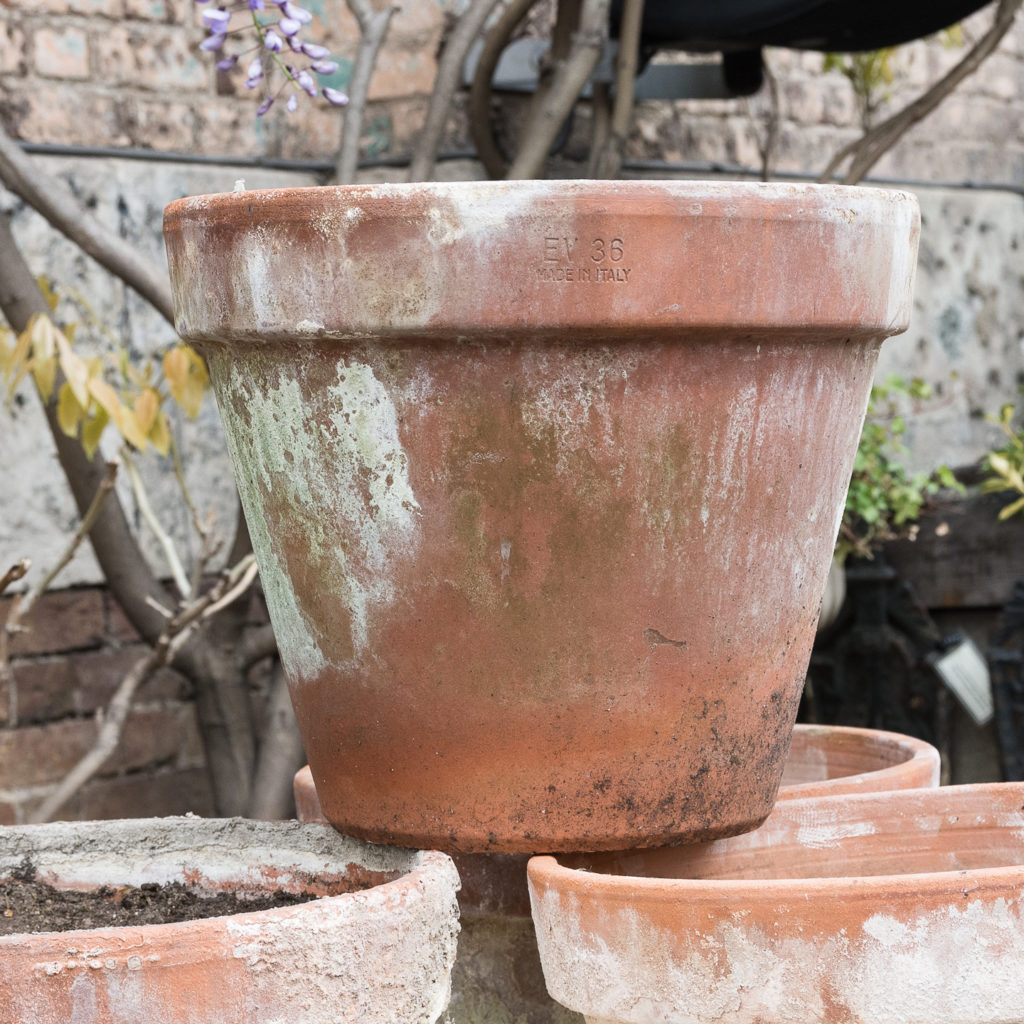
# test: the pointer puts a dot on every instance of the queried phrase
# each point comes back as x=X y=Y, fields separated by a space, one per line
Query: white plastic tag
x=965 y=672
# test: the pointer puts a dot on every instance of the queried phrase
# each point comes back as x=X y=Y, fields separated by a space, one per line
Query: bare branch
x=865 y=152
x=181 y=581
x=281 y=756
x=767 y=144
x=126 y=571
x=609 y=159
x=449 y=73
x=570 y=77
x=480 y=91
x=49 y=197
x=88 y=521
x=373 y=27
x=111 y=721
x=15 y=573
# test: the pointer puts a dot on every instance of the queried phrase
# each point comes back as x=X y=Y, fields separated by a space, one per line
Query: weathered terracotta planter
x=378 y=947
x=831 y=760
x=543 y=479
x=891 y=908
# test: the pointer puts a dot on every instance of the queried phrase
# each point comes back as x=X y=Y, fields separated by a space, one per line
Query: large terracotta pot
x=892 y=908
x=543 y=479
x=377 y=948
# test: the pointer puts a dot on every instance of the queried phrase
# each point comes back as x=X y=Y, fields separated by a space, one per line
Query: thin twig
x=570 y=77
x=609 y=160
x=600 y=126
x=769 y=143
x=481 y=91
x=49 y=197
x=22 y=604
x=111 y=720
x=87 y=523
x=178 y=573
x=15 y=573
x=446 y=82
x=373 y=27
x=865 y=152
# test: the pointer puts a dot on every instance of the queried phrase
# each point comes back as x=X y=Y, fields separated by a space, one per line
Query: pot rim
x=226 y=836
x=547 y=872
x=919 y=756
x=511 y=259
x=385 y=194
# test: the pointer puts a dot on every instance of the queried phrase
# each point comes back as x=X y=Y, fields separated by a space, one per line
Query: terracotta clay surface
x=830 y=760
x=823 y=760
x=892 y=908
x=543 y=479
x=378 y=947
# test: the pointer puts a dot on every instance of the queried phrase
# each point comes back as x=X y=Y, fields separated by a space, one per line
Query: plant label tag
x=965 y=672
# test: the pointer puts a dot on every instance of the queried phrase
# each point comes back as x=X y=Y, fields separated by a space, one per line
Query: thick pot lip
x=917 y=759
x=385 y=195
x=546 y=872
x=505 y=260
x=409 y=869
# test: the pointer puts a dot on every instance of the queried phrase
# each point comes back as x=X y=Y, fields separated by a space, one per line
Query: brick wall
x=65 y=667
x=128 y=73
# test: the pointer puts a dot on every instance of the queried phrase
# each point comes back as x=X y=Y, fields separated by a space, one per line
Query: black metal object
x=870 y=668
x=826 y=25
x=1006 y=667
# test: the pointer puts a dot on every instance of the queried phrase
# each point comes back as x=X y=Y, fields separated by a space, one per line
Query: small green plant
x=884 y=500
x=872 y=73
x=1005 y=466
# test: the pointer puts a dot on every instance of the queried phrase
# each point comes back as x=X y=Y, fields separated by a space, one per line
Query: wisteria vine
x=278 y=48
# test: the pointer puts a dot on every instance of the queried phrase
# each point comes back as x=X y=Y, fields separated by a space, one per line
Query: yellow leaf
x=186 y=377
x=74 y=368
x=106 y=396
x=176 y=371
x=160 y=433
x=146 y=407
x=44 y=340
x=45 y=373
x=121 y=417
x=46 y=287
x=69 y=412
x=92 y=429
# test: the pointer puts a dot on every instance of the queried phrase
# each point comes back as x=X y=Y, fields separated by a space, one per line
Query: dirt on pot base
x=27 y=905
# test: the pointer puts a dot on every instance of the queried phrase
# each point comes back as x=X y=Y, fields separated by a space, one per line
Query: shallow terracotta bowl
x=892 y=908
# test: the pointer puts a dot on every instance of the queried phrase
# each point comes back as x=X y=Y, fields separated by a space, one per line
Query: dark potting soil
x=27 y=905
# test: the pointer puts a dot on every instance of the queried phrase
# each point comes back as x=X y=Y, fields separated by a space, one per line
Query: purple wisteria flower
x=264 y=37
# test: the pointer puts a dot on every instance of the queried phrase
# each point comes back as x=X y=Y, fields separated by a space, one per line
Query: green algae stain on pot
x=323 y=455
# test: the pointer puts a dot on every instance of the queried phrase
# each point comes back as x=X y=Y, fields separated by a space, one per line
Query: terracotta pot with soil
x=543 y=479
x=885 y=908
x=358 y=934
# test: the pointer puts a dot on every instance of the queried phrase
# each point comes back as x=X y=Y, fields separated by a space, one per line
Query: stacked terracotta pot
x=543 y=480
